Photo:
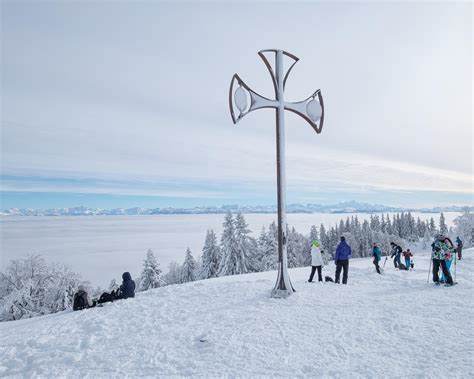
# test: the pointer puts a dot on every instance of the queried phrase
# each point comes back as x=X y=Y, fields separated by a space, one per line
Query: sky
x=123 y=104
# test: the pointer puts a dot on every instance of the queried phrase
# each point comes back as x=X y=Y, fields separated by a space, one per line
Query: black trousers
x=442 y=263
x=320 y=274
x=376 y=263
x=342 y=265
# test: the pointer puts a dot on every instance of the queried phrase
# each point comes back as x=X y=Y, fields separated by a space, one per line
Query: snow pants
x=396 y=260
x=376 y=263
x=459 y=250
x=448 y=266
x=407 y=263
x=436 y=264
x=320 y=274
x=342 y=264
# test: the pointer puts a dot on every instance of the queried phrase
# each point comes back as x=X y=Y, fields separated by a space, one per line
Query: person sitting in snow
x=316 y=261
x=343 y=253
x=407 y=255
x=440 y=252
x=82 y=299
x=396 y=252
x=127 y=289
x=377 y=254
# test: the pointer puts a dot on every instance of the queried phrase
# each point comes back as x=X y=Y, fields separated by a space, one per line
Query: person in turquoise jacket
x=377 y=254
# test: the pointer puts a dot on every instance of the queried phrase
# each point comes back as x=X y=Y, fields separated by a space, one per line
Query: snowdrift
x=391 y=325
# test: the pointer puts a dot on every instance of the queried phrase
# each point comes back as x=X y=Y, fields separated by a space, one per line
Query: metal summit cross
x=244 y=100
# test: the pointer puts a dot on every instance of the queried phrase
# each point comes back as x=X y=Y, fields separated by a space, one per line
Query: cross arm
x=310 y=109
x=247 y=100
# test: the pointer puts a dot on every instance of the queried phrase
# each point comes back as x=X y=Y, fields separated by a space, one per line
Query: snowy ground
x=395 y=325
x=100 y=248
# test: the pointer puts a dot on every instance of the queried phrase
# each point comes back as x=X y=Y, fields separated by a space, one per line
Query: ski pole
x=386 y=257
x=429 y=271
x=455 y=265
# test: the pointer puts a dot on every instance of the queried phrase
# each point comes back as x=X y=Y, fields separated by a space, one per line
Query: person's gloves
x=335 y=262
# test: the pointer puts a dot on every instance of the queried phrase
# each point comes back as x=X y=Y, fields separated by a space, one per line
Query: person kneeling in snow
x=377 y=254
x=316 y=261
x=127 y=289
x=441 y=252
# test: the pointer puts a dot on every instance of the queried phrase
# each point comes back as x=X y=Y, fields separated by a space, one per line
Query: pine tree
x=210 y=256
x=432 y=227
x=267 y=247
x=313 y=234
x=151 y=276
x=246 y=245
x=233 y=262
x=174 y=273
x=443 y=229
x=188 y=270
x=464 y=227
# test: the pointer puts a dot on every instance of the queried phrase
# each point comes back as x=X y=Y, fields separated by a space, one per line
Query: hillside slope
x=377 y=326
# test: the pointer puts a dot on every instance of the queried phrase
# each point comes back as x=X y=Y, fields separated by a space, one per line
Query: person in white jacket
x=316 y=261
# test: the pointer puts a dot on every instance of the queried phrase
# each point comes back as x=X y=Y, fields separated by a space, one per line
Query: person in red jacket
x=407 y=255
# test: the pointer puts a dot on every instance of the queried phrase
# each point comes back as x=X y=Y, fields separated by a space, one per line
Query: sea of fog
x=102 y=247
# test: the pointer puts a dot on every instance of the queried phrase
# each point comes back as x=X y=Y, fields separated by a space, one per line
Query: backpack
x=80 y=301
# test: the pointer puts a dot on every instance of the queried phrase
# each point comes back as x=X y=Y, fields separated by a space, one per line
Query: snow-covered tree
x=246 y=245
x=210 y=256
x=174 y=273
x=188 y=270
x=267 y=246
x=464 y=227
x=232 y=261
x=151 y=276
x=443 y=228
x=32 y=287
x=113 y=285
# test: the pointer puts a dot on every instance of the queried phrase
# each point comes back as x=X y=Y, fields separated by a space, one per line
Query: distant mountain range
x=345 y=207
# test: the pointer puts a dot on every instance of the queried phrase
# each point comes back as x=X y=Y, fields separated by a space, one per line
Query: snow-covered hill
x=395 y=325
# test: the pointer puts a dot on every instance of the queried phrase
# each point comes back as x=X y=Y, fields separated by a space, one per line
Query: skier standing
x=459 y=247
x=343 y=253
x=441 y=251
x=316 y=261
x=377 y=254
x=407 y=254
x=396 y=252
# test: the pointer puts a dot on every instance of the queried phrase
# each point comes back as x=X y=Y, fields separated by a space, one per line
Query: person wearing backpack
x=396 y=252
x=127 y=289
x=377 y=254
x=82 y=299
x=441 y=252
x=343 y=253
x=316 y=261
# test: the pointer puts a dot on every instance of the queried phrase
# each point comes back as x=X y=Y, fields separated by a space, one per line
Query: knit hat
x=316 y=243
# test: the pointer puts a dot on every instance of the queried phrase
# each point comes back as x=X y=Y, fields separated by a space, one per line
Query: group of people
x=83 y=300
x=443 y=251
x=341 y=260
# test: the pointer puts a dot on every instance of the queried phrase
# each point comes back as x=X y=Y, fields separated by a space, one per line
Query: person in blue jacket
x=377 y=254
x=343 y=253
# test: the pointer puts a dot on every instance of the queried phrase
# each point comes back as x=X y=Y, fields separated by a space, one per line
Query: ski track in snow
x=394 y=325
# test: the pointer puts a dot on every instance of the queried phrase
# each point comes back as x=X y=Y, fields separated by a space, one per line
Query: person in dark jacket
x=459 y=247
x=396 y=252
x=127 y=289
x=343 y=253
x=377 y=254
